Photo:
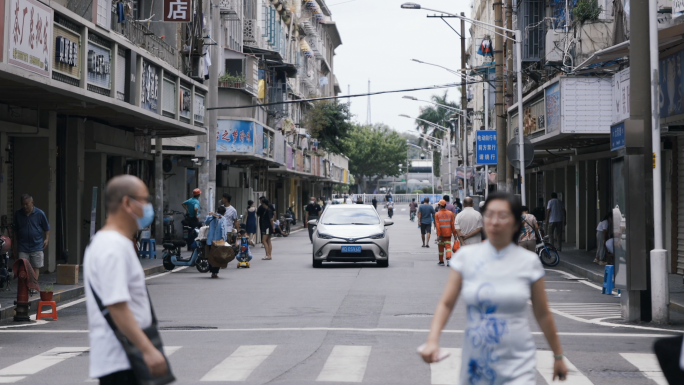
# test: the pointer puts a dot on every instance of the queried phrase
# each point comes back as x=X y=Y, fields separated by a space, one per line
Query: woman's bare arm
x=444 y=308
x=544 y=318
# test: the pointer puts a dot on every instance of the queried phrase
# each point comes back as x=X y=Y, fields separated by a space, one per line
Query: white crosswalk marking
x=545 y=368
x=589 y=310
x=37 y=363
x=647 y=364
x=447 y=371
x=345 y=364
x=239 y=365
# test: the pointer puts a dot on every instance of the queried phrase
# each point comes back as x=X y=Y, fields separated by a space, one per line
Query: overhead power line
x=343 y=96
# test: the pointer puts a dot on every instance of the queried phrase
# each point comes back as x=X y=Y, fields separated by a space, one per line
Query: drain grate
x=188 y=328
x=414 y=315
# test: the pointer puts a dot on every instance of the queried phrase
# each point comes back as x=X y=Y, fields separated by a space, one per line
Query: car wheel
x=315 y=263
x=384 y=263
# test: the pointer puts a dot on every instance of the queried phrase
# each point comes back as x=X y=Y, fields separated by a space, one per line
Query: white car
x=350 y=233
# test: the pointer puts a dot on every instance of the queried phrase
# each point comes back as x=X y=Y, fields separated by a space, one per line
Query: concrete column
x=559 y=187
x=549 y=185
x=532 y=182
x=4 y=189
x=95 y=172
x=581 y=214
x=571 y=204
x=51 y=257
x=158 y=191
x=603 y=193
x=590 y=228
x=74 y=153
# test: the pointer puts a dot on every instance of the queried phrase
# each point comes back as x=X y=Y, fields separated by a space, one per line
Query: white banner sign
x=30 y=40
x=677 y=8
x=620 y=96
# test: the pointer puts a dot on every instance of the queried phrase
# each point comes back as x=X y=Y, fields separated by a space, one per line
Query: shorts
x=426 y=228
x=35 y=258
x=266 y=231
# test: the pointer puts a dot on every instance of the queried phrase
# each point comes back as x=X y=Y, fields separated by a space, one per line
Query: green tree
x=374 y=153
x=329 y=122
x=437 y=115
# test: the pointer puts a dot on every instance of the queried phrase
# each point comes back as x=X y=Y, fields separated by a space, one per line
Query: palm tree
x=437 y=115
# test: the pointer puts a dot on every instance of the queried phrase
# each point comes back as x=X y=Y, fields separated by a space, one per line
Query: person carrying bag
x=125 y=346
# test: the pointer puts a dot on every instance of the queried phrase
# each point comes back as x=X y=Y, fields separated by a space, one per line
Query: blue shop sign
x=617 y=136
x=485 y=147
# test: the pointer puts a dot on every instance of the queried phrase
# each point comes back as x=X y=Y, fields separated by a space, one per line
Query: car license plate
x=351 y=249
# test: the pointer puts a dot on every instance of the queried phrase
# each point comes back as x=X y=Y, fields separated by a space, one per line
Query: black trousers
x=668 y=351
x=124 y=377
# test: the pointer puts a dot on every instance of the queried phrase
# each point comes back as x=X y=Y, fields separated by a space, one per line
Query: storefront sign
x=30 y=40
x=235 y=136
x=671 y=84
x=150 y=87
x=485 y=147
x=553 y=108
x=617 y=136
x=677 y=8
x=620 y=96
x=99 y=67
x=178 y=11
x=198 y=110
x=66 y=51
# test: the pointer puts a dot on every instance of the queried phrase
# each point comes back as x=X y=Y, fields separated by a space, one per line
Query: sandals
x=266 y=259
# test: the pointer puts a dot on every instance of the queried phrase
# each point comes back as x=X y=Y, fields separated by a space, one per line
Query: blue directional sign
x=617 y=136
x=485 y=147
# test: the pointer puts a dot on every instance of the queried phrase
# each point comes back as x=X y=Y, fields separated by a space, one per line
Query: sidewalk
x=579 y=262
x=63 y=292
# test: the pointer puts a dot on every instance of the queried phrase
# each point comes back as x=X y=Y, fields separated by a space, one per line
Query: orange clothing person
x=444 y=221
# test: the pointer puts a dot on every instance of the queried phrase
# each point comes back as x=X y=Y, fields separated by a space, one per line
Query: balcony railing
x=141 y=36
x=233 y=7
x=252 y=34
x=239 y=85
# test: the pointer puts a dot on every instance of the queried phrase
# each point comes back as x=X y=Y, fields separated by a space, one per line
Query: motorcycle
x=289 y=213
x=390 y=211
x=5 y=273
x=169 y=229
x=285 y=225
x=171 y=255
x=190 y=232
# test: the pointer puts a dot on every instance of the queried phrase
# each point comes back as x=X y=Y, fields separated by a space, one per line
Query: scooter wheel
x=202 y=265
x=166 y=261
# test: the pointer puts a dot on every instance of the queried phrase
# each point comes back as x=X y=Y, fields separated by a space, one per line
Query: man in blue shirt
x=191 y=207
x=32 y=232
x=426 y=214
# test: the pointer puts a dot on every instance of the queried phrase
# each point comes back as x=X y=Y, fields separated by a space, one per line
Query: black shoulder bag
x=135 y=357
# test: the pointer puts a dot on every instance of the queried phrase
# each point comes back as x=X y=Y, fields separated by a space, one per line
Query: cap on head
x=196 y=191
x=442 y=203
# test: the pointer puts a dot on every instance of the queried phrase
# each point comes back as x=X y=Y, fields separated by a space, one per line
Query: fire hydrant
x=22 y=302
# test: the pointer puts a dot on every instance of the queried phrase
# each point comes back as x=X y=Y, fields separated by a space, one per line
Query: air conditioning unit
x=554 y=46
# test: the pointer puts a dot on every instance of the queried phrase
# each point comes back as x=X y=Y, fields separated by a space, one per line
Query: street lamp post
x=518 y=40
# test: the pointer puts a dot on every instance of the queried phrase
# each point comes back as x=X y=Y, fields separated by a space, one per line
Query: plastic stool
x=52 y=315
x=608 y=280
x=151 y=250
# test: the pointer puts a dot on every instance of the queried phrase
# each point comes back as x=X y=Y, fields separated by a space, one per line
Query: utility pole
x=507 y=99
x=501 y=137
x=464 y=107
x=486 y=124
x=207 y=172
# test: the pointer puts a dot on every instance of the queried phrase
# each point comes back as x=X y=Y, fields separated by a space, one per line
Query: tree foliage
x=374 y=152
x=440 y=116
x=329 y=122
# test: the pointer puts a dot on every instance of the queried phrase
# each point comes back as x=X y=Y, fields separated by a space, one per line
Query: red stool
x=52 y=304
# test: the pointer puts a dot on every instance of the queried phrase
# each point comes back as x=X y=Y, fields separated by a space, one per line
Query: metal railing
x=242 y=85
x=398 y=198
x=143 y=37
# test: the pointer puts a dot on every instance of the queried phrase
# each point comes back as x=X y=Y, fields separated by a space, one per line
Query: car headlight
x=378 y=236
x=324 y=236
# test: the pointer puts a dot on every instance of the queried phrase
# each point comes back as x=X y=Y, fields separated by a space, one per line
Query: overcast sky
x=379 y=39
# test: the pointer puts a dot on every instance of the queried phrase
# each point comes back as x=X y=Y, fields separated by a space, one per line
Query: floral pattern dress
x=497 y=347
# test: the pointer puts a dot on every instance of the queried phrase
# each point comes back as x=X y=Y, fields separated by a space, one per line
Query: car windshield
x=350 y=217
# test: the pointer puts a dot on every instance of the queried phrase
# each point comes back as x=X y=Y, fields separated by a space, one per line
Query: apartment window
x=234 y=67
x=104 y=13
x=530 y=16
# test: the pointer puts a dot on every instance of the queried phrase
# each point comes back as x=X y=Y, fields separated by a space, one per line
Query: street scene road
x=285 y=322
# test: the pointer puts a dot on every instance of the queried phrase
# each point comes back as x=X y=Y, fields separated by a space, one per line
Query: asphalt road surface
x=284 y=322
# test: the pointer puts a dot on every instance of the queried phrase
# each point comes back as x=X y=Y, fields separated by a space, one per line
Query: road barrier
x=399 y=198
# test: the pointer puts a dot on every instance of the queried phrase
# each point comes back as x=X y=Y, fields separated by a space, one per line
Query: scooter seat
x=169 y=246
x=179 y=243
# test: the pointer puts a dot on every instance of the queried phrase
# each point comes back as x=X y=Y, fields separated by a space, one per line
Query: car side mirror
x=313 y=222
x=389 y=222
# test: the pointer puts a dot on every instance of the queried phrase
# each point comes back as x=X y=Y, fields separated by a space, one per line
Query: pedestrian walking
x=117 y=302
x=469 y=224
x=313 y=211
x=444 y=226
x=669 y=353
x=602 y=231
x=555 y=212
x=192 y=210
x=457 y=203
x=528 y=231
x=449 y=205
x=426 y=215
x=497 y=279
x=217 y=232
x=32 y=233
x=249 y=218
x=413 y=209
x=374 y=201
x=266 y=226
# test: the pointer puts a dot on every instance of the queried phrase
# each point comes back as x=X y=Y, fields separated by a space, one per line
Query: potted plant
x=46 y=293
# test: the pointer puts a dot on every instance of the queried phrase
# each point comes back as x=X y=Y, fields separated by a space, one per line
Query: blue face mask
x=148 y=215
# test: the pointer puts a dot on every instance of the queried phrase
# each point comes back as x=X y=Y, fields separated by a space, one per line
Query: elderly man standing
x=32 y=232
x=469 y=224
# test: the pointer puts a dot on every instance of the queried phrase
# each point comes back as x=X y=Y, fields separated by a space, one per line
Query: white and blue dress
x=497 y=347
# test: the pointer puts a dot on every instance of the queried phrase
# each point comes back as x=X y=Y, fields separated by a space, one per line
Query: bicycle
x=546 y=251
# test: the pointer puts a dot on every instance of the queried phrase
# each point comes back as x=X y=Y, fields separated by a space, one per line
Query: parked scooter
x=5 y=273
x=171 y=255
x=189 y=233
x=289 y=213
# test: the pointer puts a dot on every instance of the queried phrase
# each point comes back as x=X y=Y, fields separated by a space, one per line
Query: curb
x=598 y=279
x=6 y=314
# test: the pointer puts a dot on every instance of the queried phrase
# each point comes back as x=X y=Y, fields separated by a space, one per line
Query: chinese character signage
x=99 y=59
x=621 y=96
x=617 y=136
x=235 y=136
x=485 y=147
x=30 y=40
x=177 y=10
x=66 y=51
x=150 y=87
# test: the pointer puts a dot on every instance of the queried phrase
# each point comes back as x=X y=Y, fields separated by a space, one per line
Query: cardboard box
x=67 y=274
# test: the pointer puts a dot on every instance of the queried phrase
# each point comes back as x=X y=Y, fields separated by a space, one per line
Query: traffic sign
x=513 y=151
x=485 y=147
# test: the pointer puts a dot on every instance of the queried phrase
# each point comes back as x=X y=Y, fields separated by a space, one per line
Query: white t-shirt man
x=468 y=221
x=111 y=266
x=556 y=207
